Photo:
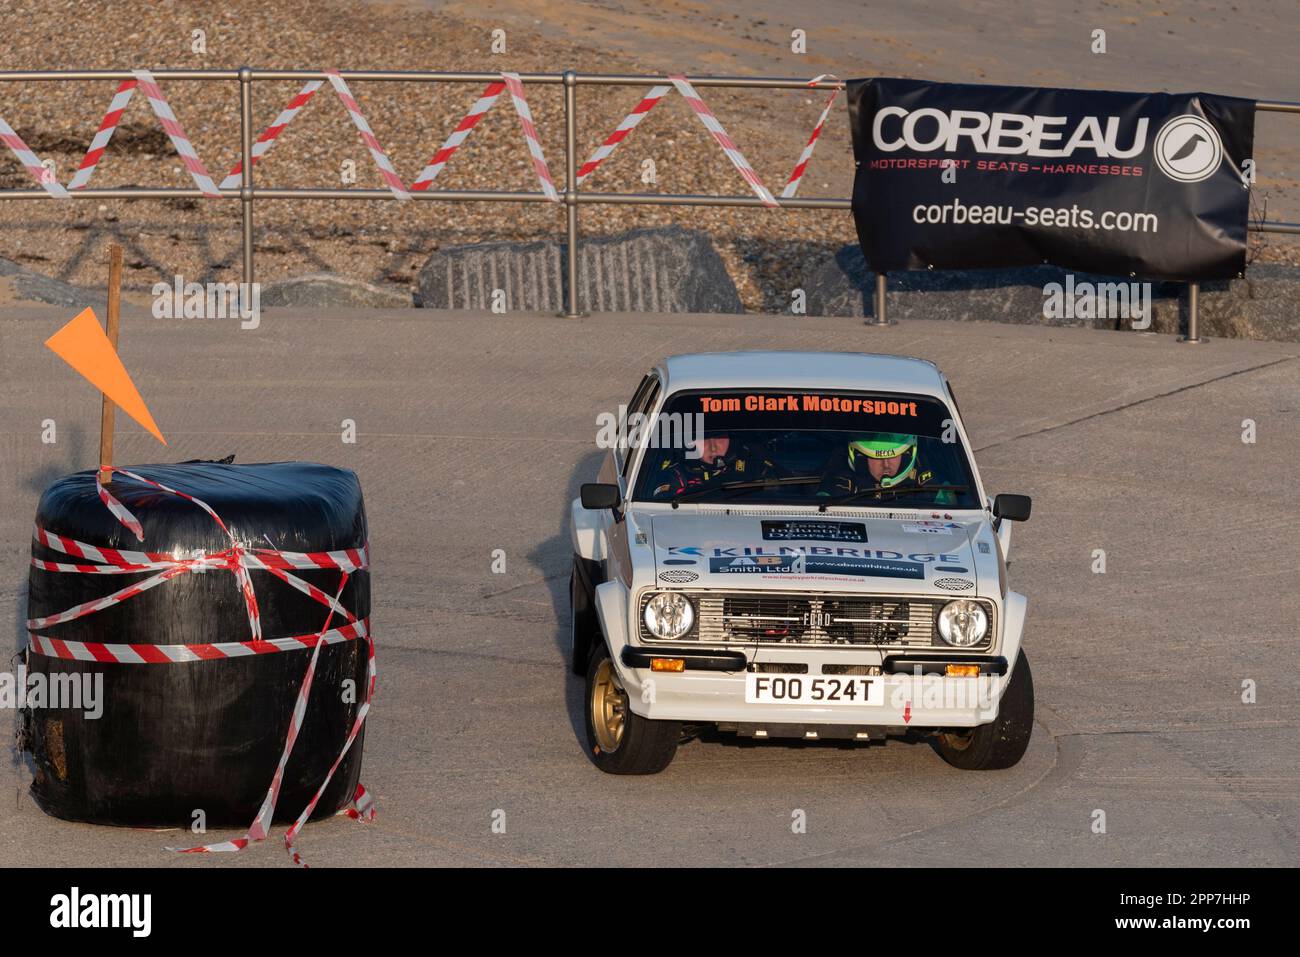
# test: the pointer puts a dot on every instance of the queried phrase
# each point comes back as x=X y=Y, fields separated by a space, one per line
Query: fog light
x=963 y=671
x=667 y=664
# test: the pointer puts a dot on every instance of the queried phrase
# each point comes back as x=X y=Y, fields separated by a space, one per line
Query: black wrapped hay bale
x=177 y=738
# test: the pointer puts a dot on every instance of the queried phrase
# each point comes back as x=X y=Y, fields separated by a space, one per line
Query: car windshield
x=798 y=447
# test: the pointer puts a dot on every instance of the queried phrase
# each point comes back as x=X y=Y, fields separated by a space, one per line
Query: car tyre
x=620 y=741
x=1003 y=742
x=585 y=630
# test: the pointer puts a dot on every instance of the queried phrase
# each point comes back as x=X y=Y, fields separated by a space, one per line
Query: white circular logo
x=1188 y=149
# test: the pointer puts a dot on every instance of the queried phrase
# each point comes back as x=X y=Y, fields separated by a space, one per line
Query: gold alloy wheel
x=608 y=707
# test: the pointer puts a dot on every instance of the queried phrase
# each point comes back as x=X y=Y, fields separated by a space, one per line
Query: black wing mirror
x=598 y=495
x=1014 y=508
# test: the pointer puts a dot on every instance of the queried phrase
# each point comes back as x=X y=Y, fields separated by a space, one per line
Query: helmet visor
x=883 y=445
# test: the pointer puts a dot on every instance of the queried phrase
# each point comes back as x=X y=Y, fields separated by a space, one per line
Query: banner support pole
x=882 y=317
x=1193 y=303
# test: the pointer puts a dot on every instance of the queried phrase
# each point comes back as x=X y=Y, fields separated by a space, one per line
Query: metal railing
x=571 y=198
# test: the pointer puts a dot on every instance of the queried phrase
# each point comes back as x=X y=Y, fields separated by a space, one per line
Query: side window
x=644 y=400
x=620 y=453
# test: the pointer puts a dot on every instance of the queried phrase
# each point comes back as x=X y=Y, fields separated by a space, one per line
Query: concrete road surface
x=473 y=434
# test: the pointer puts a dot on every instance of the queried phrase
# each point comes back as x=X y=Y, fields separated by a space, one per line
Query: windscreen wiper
x=873 y=492
x=746 y=485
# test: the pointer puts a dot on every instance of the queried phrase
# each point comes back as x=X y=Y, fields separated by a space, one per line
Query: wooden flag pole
x=112 y=324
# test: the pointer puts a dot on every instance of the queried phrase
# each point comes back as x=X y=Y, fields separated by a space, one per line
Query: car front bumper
x=917 y=694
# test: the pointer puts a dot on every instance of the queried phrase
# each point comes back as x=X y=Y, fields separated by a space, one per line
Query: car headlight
x=963 y=623
x=669 y=614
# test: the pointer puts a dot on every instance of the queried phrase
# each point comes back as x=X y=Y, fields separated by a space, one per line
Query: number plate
x=814 y=689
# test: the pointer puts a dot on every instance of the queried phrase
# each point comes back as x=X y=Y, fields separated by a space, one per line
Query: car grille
x=746 y=618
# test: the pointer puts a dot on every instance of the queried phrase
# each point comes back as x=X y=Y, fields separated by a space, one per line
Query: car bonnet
x=767 y=549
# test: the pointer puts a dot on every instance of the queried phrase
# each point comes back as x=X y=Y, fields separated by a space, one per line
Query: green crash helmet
x=883 y=445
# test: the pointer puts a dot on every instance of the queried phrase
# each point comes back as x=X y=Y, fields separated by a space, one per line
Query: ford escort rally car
x=784 y=544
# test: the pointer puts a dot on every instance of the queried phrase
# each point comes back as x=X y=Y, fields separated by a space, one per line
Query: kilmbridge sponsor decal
x=813 y=559
x=820 y=551
x=962 y=176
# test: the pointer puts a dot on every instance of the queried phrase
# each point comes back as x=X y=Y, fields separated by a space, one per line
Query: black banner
x=1236 y=909
x=957 y=176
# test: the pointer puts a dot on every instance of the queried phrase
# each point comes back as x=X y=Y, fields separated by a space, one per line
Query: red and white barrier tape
x=119 y=510
x=234 y=556
x=131 y=654
x=172 y=126
x=129 y=592
x=238 y=560
x=234 y=179
x=458 y=136
x=346 y=559
x=711 y=123
x=367 y=136
x=362 y=807
x=184 y=147
x=31 y=162
x=107 y=126
x=792 y=185
x=629 y=123
x=720 y=134
x=516 y=88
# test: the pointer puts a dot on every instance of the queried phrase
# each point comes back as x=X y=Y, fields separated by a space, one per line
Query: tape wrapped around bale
x=184 y=738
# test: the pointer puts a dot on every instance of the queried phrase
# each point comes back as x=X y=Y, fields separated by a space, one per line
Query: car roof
x=803 y=370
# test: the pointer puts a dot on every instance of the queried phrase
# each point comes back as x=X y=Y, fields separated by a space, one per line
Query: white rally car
x=786 y=544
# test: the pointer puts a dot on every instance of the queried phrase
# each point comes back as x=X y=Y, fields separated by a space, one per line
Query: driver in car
x=721 y=460
x=876 y=462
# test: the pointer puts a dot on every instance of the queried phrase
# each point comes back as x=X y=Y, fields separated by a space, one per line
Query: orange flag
x=83 y=345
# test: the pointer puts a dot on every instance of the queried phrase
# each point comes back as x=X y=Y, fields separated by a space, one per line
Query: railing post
x=1193 y=309
x=246 y=166
x=571 y=310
